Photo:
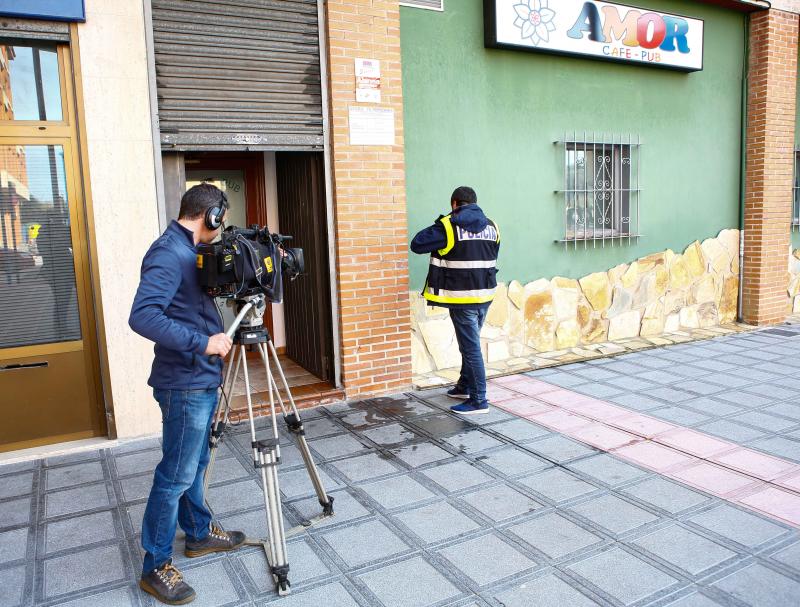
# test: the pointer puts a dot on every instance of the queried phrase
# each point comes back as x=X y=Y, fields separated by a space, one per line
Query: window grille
x=796 y=193
x=433 y=5
x=602 y=189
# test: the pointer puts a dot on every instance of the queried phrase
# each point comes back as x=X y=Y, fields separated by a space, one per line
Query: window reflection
x=38 y=299
x=29 y=83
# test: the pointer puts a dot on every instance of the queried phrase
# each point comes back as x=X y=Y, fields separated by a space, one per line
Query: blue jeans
x=177 y=493
x=468 y=323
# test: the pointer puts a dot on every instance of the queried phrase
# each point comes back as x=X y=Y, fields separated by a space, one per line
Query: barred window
x=796 y=196
x=433 y=5
x=601 y=189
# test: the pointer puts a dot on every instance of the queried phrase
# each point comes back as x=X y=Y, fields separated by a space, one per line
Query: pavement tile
x=759 y=585
x=788 y=409
x=789 y=556
x=72 y=501
x=557 y=484
x=694 y=443
x=391 y=434
x=559 y=448
x=16 y=485
x=473 y=441
x=12 y=585
x=213 y=585
x=755 y=464
x=241 y=495
x=364 y=467
x=121 y=597
x=337 y=446
x=737 y=397
x=457 y=475
x=547 y=591
x=500 y=503
x=595 y=373
x=137 y=463
x=18 y=467
x=690 y=372
x=512 y=461
x=13 y=545
x=554 y=535
x=532 y=387
x=347 y=508
x=324 y=426
x=391 y=584
x=701 y=387
x=497 y=394
x=79 y=531
x=790 y=481
x=599 y=390
x=330 y=595
x=614 y=514
x=654 y=456
x=666 y=495
x=641 y=425
x=714 y=479
x=397 y=491
x=660 y=376
x=685 y=549
x=70 y=573
x=670 y=395
x=419 y=454
x=732 y=431
x=436 y=522
x=731 y=380
x=304 y=563
x=695 y=600
x=487 y=559
x=637 y=402
x=598 y=409
x=565 y=380
x=713 y=365
x=776 y=503
x=623 y=576
x=294 y=483
x=765 y=421
x=560 y=420
x=780 y=446
x=349 y=543
x=564 y=398
x=711 y=406
x=603 y=437
x=771 y=391
x=524 y=406
x=745 y=528
x=680 y=415
x=440 y=424
x=607 y=469
x=520 y=430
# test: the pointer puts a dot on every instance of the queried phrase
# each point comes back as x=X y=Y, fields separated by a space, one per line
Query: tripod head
x=249 y=321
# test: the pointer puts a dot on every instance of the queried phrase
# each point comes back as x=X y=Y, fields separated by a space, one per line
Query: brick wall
x=370 y=204
x=769 y=176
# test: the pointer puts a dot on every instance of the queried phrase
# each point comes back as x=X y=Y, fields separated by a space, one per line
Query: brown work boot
x=217 y=540
x=167 y=585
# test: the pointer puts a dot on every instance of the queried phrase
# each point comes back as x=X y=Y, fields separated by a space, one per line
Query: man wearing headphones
x=172 y=310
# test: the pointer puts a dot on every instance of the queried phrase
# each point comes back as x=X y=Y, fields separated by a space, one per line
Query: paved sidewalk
x=436 y=510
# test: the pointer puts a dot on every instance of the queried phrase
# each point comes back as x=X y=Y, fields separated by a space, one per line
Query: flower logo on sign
x=535 y=20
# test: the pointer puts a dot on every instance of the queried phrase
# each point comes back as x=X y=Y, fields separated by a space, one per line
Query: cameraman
x=172 y=310
x=462 y=277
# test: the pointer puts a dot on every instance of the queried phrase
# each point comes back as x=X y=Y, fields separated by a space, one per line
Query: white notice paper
x=368 y=80
x=371 y=126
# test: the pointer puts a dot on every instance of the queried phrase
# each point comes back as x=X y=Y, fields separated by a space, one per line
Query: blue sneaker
x=470 y=408
x=456 y=392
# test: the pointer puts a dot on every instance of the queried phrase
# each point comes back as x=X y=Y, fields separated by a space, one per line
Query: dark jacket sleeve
x=160 y=279
x=430 y=239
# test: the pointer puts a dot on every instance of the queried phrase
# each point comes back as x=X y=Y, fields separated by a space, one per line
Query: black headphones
x=214 y=215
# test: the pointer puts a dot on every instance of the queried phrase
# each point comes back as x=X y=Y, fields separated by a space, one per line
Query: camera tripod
x=248 y=329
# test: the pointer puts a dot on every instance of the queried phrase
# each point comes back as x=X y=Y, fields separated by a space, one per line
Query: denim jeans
x=468 y=323
x=177 y=493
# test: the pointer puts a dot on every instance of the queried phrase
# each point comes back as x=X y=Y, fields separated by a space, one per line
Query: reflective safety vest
x=465 y=270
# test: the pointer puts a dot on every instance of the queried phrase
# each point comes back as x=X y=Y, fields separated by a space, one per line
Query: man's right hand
x=219 y=344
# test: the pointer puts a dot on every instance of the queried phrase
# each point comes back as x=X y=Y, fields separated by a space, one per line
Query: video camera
x=248 y=261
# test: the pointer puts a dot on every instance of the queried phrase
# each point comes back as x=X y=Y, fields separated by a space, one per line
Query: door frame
x=69 y=133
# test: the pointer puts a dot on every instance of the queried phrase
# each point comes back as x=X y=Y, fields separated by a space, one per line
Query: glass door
x=49 y=369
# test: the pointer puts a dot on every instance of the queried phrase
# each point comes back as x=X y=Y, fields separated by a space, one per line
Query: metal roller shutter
x=234 y=74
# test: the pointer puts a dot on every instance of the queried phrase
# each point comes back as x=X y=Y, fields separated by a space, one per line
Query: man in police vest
x=462 y=277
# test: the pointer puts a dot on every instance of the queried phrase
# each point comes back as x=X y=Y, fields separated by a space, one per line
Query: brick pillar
x=370 y=204
x=769 y=175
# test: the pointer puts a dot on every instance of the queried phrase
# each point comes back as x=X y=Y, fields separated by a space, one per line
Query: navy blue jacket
x=471 y=218
x=171 y=309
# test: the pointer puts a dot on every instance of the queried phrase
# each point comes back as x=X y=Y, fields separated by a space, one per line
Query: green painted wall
x=488 y=118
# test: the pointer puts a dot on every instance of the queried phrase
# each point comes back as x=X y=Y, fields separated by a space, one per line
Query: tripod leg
x=265 y=458
x=221 y=422
x=295 y=425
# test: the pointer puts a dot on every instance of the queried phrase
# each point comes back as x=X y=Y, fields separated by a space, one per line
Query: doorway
x=286 y=192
